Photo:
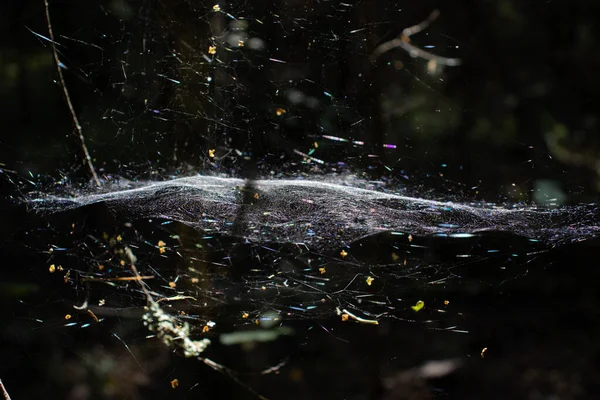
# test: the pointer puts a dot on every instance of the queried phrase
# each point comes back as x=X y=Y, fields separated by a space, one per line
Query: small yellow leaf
x=370 y=280
x=417 y=307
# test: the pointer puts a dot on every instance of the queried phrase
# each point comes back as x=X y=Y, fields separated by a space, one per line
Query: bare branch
x=413 y=30
x=3 y=390
x=78 y=128
x=404 y=43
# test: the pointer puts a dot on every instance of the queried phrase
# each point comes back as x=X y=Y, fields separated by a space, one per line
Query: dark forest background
x=516 y=121
x=522 y=108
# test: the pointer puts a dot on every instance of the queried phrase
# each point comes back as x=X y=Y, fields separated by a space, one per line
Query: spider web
x=222 y=88
x=300 y=249
x=222 y=92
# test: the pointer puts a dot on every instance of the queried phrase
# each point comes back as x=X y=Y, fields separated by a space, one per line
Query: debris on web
x=171 y=332
x=325 y=212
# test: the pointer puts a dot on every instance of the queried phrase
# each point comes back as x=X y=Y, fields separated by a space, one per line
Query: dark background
x=521 y=108
x=516 y=120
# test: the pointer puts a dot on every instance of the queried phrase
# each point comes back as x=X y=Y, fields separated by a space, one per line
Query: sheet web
x=199 y=265
x=305 y=244
x=299 y=250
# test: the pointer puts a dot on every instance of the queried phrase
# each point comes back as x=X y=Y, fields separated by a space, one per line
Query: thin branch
x=120 y=278
x=175 y=334
x=78 y=128
x=274 y=368
x=231 y=375
x=4 y=392
x=404 y=43
x=413 y=30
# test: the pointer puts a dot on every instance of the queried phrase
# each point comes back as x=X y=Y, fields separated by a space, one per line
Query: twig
x=68 y=98
x=231 y=375
x=356 y=318
x=404 y=43
x=121 y=278
x=4 y=392
x=274 y=368
x=413 y=30
x=174 y=334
